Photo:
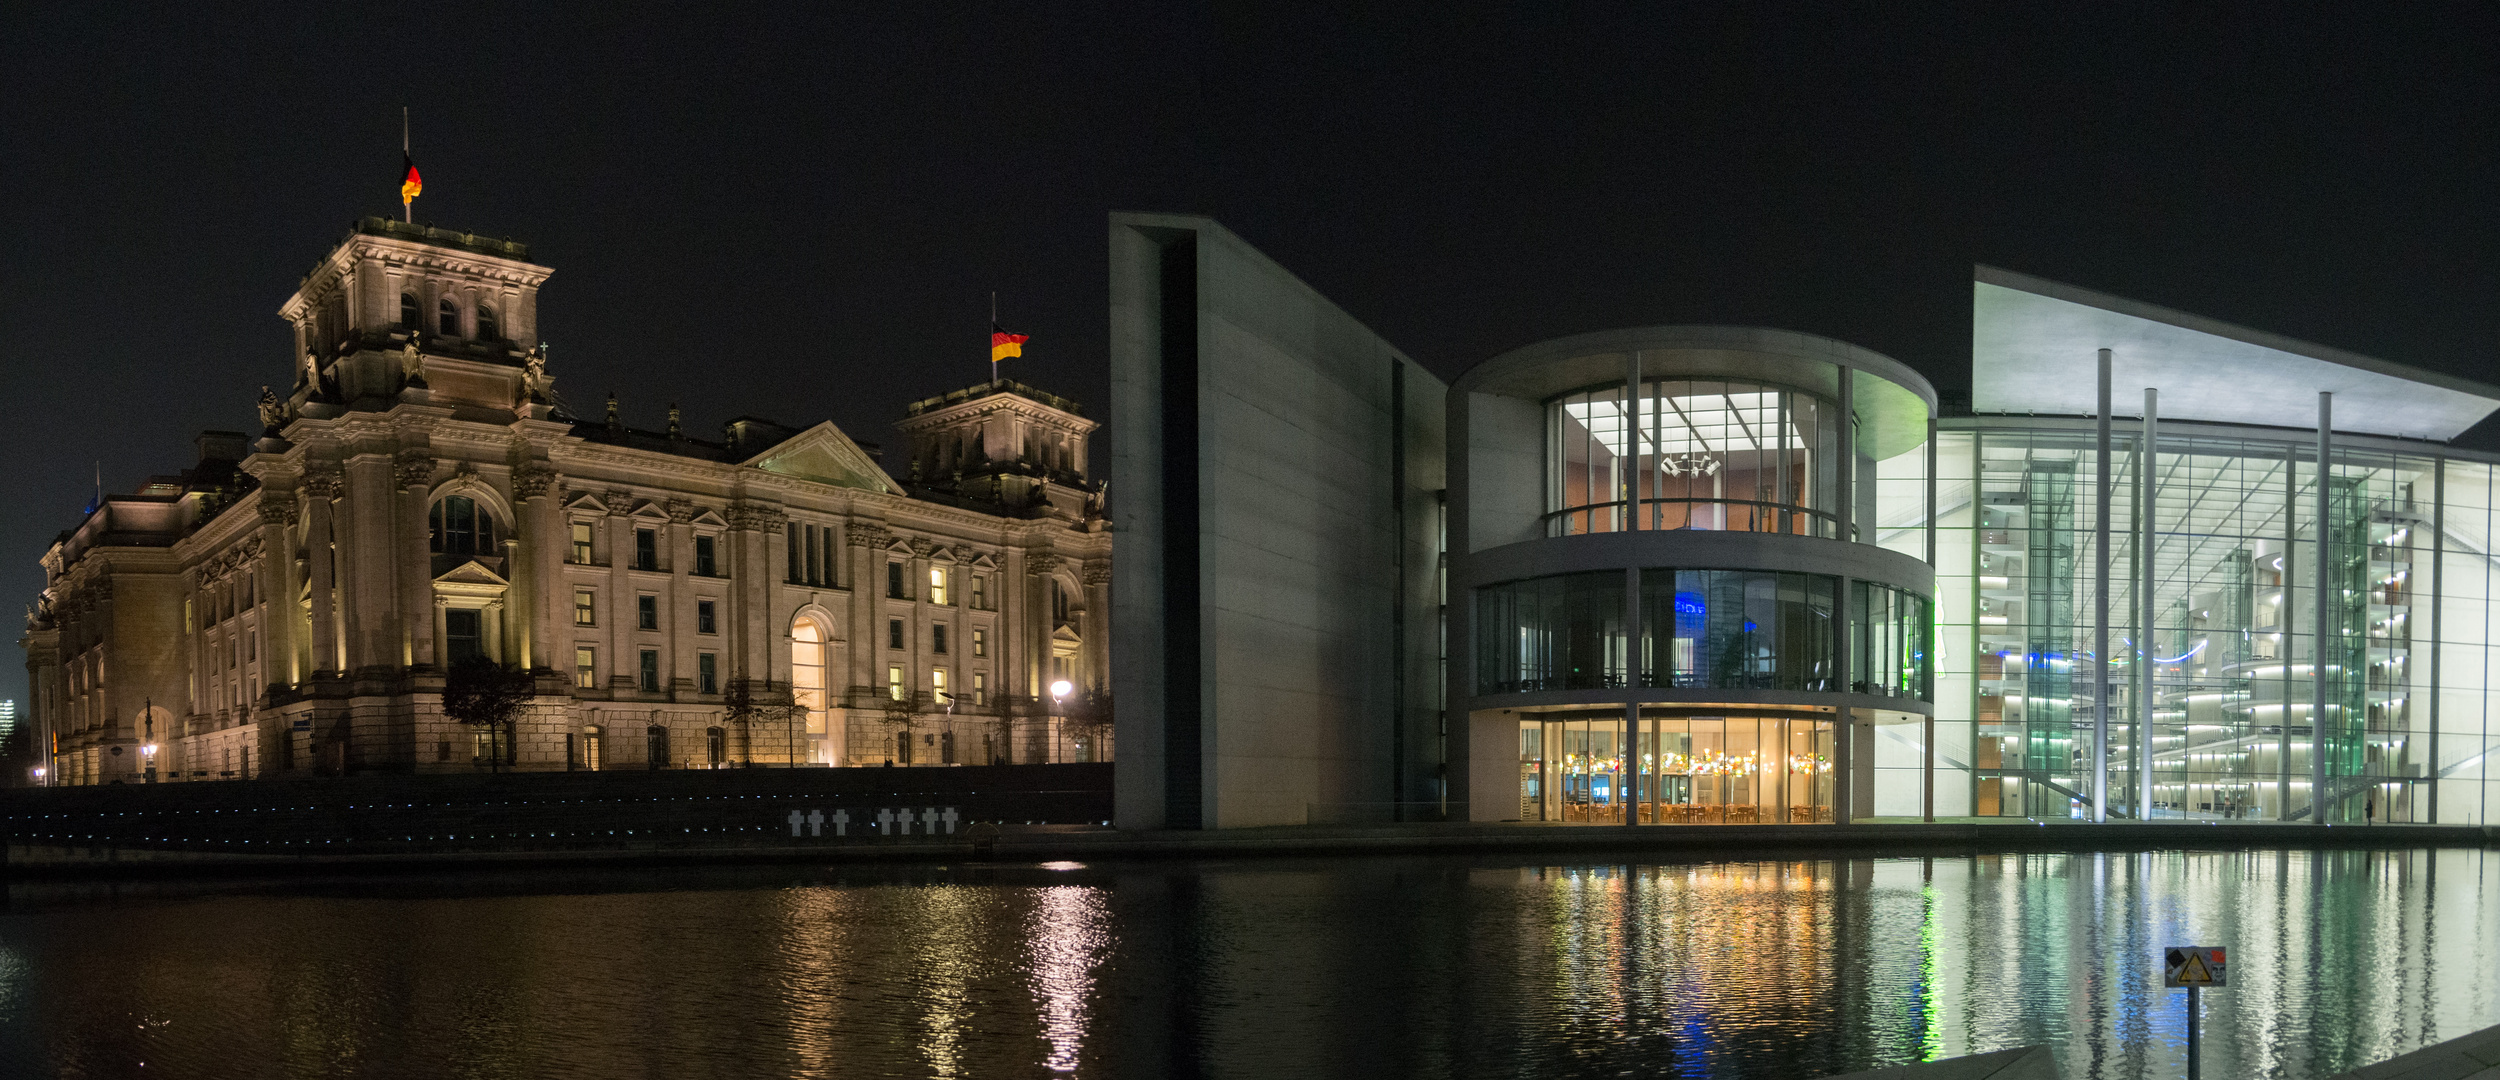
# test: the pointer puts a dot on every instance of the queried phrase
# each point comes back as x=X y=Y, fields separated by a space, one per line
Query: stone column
x=320 y=544
x=277 y=575
x=1096 y=629
x=618 y=609
x=1035 y=627
x=367 y=586
x=677 y=606
x=545 y=541
x=415 y=560
x=866 y=542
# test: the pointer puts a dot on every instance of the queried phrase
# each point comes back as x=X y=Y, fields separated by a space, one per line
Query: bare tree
x=752 y=703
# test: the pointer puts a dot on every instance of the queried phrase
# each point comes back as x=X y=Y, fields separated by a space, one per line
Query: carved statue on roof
x=411 y=363
x=1096 y=499
x=312 y=369
x=272 y=412
x=534 y=381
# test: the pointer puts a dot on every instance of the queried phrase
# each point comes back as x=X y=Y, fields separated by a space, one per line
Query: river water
x=1366 y=968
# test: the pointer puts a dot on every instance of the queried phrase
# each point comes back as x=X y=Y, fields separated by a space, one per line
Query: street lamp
x=1059 y=689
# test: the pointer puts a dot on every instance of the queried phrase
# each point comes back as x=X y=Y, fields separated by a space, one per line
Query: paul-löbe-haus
x=2163 y=569
x=292 y=603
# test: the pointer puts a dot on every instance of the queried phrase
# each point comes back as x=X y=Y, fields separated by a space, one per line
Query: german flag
x=1004 y=344
x=410 y=186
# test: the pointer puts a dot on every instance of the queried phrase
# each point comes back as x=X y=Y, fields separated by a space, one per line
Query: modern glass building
x=1697 y=575
x=2159 y=568
x=2163 y=569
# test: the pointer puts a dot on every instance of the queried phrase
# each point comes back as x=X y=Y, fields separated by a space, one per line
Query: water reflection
x=1369 y=968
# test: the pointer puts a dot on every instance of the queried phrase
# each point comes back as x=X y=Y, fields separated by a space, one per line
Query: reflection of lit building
x=1654 y=576
x=421 y=497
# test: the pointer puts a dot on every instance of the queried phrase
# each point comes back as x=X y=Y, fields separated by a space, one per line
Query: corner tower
x=394 y=301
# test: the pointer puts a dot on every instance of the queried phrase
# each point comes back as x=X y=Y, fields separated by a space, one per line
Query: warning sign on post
x=2193 y=965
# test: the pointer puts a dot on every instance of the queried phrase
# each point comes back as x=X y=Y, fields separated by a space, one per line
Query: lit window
x=448 y=317
x=706 y=673
x=937 y=685
x=462 y=527
x=980 y=641
x=980 y=688
x=586 y=668
x=585 y=608
x=704 y=620
x=937 y=585
x=581 y=542
x=647 y=612
x=894 y=682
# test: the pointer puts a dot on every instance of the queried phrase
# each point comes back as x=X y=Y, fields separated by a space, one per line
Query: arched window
x=486 y=324
x=408 y=310
x=462 y=527
x=449 y=313
x=807 y=681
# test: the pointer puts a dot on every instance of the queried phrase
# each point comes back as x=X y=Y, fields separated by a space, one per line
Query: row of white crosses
x=889 y=822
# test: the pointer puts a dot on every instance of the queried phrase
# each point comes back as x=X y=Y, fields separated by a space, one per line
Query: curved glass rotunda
x=1692 y=571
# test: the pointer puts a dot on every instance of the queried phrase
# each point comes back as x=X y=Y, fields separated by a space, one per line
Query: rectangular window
x=829 y=577
x=581 y=542
x=585 y=667
x=937 y=585
x=706 y=673
x=463 y=636
x=790 y=536
x=937 y=685
x=980 y=641
x=703 y=557
x=894 y=580
x=894 y=633
x=815 y=555
x=651 y=671
x=980 y=591
x=646 y=549
x=894 y=683
x=980 y=688
x=585 y=608
x=647 y=612
x=937 y=640
x=704 y=620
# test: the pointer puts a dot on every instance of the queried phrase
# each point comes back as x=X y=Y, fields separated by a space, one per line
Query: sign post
x=2194 y=967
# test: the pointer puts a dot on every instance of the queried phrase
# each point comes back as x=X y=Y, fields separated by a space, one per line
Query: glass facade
x=1691 y=454
x=1700 y=629
x=2216 y=705
x=1675 y=768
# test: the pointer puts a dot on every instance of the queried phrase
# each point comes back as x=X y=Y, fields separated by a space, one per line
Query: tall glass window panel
x=1554 y=633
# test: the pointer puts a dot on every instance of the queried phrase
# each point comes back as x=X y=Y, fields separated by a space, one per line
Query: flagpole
x=407 y=206
x=993 y=334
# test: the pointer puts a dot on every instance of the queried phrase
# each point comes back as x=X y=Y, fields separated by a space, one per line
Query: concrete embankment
x=825 y=816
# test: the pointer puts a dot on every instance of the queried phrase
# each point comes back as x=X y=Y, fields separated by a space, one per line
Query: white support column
x=2148 y=488
x=2100 y=602
x=2323 y=571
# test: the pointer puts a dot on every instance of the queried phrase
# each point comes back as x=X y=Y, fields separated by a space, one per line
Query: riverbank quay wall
x=542 y=811
x=741 y=834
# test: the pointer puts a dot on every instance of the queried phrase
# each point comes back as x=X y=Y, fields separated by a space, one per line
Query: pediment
x=1065 y=635
x=471 y=572
x=827 y=456
x=707 y=516
x=584 y=500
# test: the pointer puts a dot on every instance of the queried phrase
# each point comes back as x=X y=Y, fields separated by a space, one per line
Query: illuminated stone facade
x=293 y=603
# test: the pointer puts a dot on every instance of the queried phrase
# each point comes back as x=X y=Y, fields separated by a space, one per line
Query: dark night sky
x=801 y=213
